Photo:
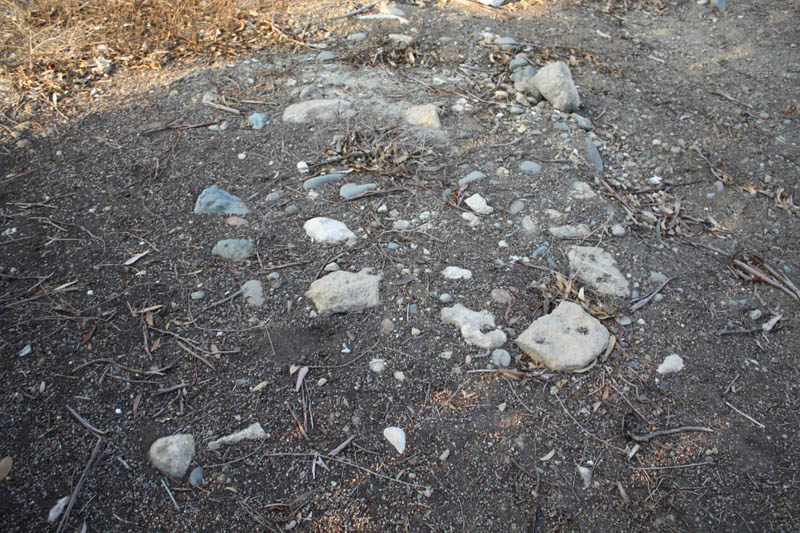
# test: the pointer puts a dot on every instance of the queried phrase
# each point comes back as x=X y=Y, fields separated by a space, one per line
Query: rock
x=475 y=175
x=445 y=298
x=593 y=156
x=576 y=231
x=454 y=272
x=755 y=314
x=501 y=296
x=530 y=167
x=618 y=230
x=530 y=226
x=173 y=454
x=198 y=295
x=471 y=218
x=387 y=326
x=657 y=277
x=252 y=432
x=328 y=231
x=598 y=268
x=516 y=207
x=377 y=365
x=581 y=191
x=321 y=110
x=325 y=56
x=351 y=190
x=555 y=84
x=582 y=122
x=257 y=120
x=505 y=43
x=569 y=338
x=307 y=91
x=234 y=249
x=57 y=509
x=215 y=200
x=236 y=221
x=672 y=363
x=253 y=293
x=321 y=180
x=423 y=116
x=403 y=41
x=196 y=477
x=501 y=358
x=524 y=83
x=332 y=267
x=356 y=37
x=470 y=323
x=478 y=204
x=519 y=61
x=396 y=437
x=344 y=292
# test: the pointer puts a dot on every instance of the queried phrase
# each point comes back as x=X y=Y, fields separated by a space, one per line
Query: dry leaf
x=136 y=404
x=5 y=466
x=549 y=455
x=148 y=317
x=258 y=387
x=149 y=309
x=135 y=258
x=300 y=377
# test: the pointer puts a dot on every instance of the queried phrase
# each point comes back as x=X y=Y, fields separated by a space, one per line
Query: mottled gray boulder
x=172 y=455
x=555 y=84
x=215 y=200
x=569 y=338
x=598 y=268
x=234 y=249
x=322 y=110
x=345 y=292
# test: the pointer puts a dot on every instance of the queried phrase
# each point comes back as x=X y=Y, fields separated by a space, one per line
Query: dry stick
x=196 y=355
x=357 y=11
x=171 y=497
x=595 y=437
x=220 y=302
x=750 y=418
x=95 y=452
x=690 y=465
x=635 y=410
x=641 y=302
x=97 y=432
x=762 y=276
x=341 y=447
x=286 y=265
x=159 y=372
x=660 y=433
x=299 y=425
x=224 y=108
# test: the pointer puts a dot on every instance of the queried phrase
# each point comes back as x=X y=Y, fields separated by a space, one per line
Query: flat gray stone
x=582 y=122
x=172 y=455
x=530 y=167
x=423 y=116
x=475 y=175
x=351 y=190
x=234 y=249
x=580 y=190
x=253 y=293
x=598 y=268
x=470 y=324
x=196 y=477
x=593 y=156
x=311 y=183
x=257 y=120
x=322 y=110
x=214 y=200
x=570 y=231
x=569 y=338
x=555 y=84
x=328 y=231
x=345 y=292
x=516 y=207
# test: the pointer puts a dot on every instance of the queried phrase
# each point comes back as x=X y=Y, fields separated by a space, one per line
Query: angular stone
x=234 y=249
x=252 y=432
x=593 y=156
x=581 y=191
x=598 y=268
x=570 y=231
x=322 y=110
x=344 y=292
x=672 y=363
x=257 y=120
x=475 y=175
x=253 y=293
x=569 y=338
x=328 y=231
x=555 y=84
x=172 y=455
x=423 y=116
x=478 y=204
x=454 y=272
x=215 y=200
x=470 y=323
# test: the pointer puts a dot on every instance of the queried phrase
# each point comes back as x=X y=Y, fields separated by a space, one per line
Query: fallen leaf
x=135 y=258
x=149 y=309
x=549 y=455
x=5 y=466
x=300 y=376
x=258 y=387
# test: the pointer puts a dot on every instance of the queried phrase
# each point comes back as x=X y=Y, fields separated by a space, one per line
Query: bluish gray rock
x=351 y=190
x=322 y=110
x=593 y=156
x=530 y=167
x=215 y=200
x=257 y=120
x=475 y=175
x=321 y=180
x=234 y=249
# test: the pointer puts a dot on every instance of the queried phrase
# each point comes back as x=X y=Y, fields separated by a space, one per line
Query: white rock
x=570 y=231
x=586 y=476
x=343 y=292
x=423 y=116
x=529 y=225
x=478 y=204
x=253 y=293
x=321 y=110
x=454 y=272
x=377 y=365
x=472 y=218
x=328 y=231
x=470 y=323
x=399 y=375
x=57 y=509
x=173 y=454
x=569 y=338
x=501 y=358
x=555 y=84
x=598 y=268
x=672 y=363
x=396 y=437
x=251 y=432
x=618 y=230
x=580 y=190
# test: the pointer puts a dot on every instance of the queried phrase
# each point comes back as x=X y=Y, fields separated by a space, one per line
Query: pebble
x=377 y=365
x=351 y=190
x=234 y=249
x=593 y=156
x=257 y=120
x=530 y=167
x=475 y=175
x=387 y=326
x=322 y=110
x=357 y=37
x=253 y=293
x=501 y=296
x=516 y=207
x=173 y=454
x=570 y=231
x=672 y=363
x=236 y=221
x=598 y=268
x=307 y=91
x=196 y=477
x=657 y=277
x=57 y=509
x=755 y=314
x=399 y=375
x=618 y=230
x=445 y=298
x=582 y=122
x=477 y=203
x=454 y=272
x=470 y=323
x=473 y=219
x=328 y=231
x=321 y=180
x=554 y=83
x=569 y=338
x=325 y=56
x=344 y=292
x=396 y=437
x=530 y=226
x=198 y=295
x=215 y=200
x=501 y=358
x=423 y=116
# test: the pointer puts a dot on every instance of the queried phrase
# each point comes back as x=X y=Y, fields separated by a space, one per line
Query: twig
x=357 y=11
x=757 y=329
x=731 y=98
x=341 y=447
x=95 y=452
x=690 y=465
x=374 y=193
x=660 y=433
x=159 y=372
x=196 y=355
x=286 y=265
x=299 y=425
x=750 y=418
x=224 y=108
x=220 y=302
x=85 y=423
x=641 y=302
x=171 y=497
x=708 y=247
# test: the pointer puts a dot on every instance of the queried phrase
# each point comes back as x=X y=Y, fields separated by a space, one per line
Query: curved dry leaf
x=300 y=377
x=5 y=466
x=549 y=455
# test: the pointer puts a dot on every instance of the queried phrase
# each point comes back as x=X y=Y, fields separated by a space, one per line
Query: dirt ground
x=696 y=111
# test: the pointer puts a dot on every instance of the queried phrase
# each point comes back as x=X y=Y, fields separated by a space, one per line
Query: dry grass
x=53 y=46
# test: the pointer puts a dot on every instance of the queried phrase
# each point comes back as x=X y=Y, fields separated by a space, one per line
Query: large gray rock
x=215 y=200
x=344 y=292
x=569 y=338
x=328 y=231
x=598 y=268
x=555 y=84
x=470 y=323
x=234 y=249
x=172 y=455
x=321 y=110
